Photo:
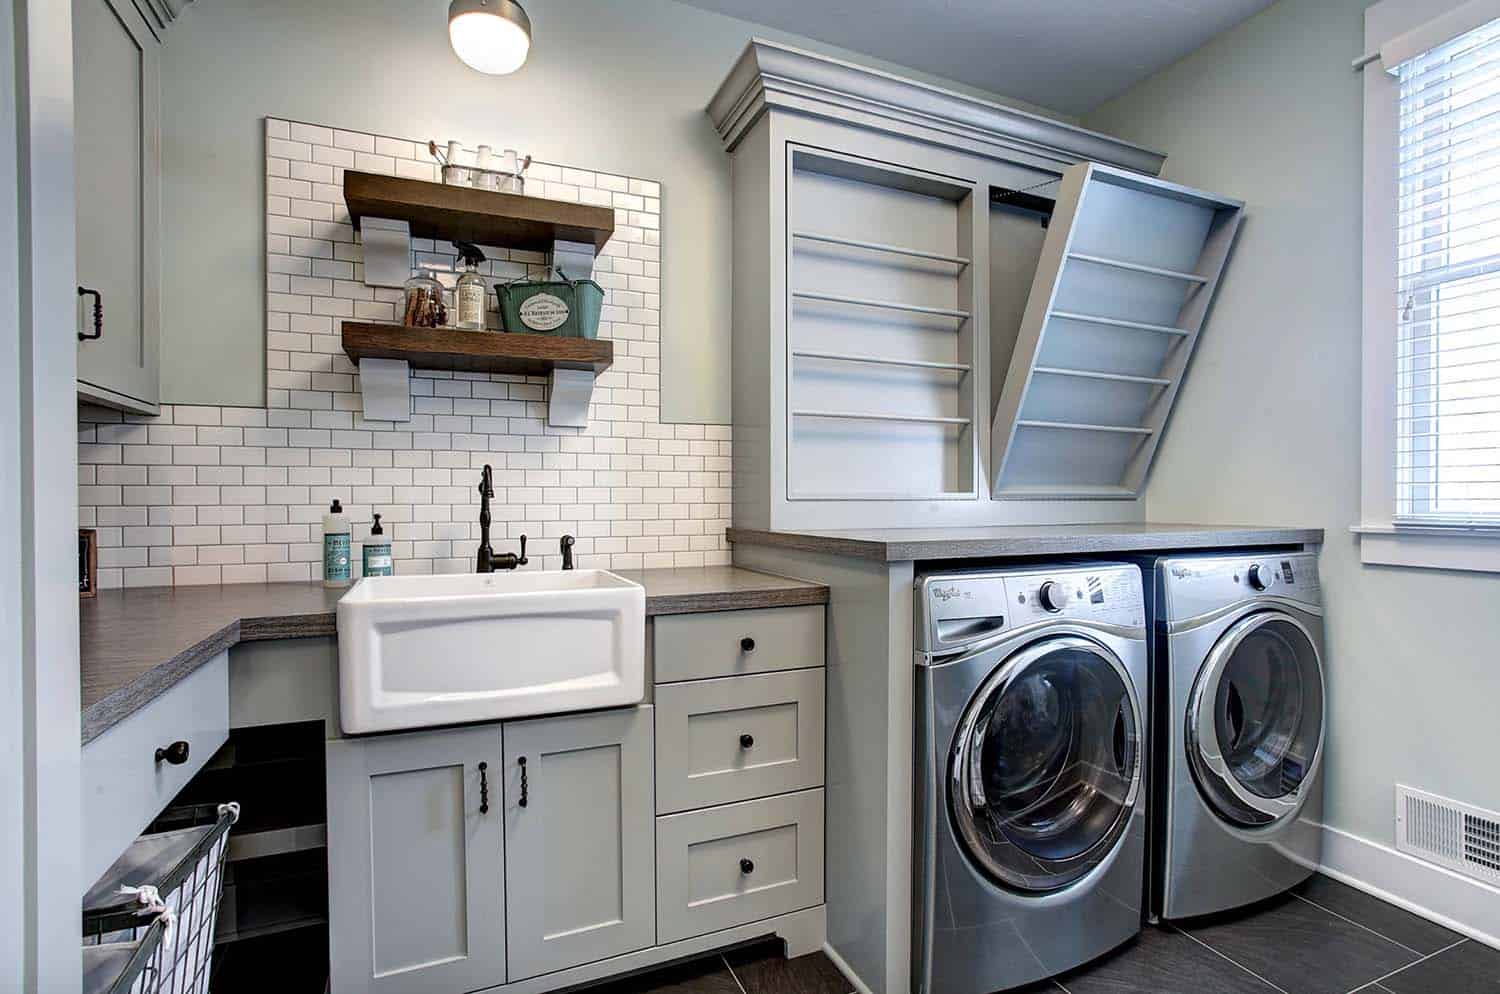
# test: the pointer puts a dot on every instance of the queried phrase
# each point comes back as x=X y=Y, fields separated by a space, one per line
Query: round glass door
x=1046 y=764
x=1255 y=721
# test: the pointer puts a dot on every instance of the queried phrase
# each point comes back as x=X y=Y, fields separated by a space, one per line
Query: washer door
x=1255 y=719
x=1046 y=768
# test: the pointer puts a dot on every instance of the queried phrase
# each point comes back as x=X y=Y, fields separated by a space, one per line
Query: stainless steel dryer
x=1031 y=824
x=1241 y=643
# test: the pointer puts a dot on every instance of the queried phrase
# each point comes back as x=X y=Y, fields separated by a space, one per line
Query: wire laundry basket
x=156 y=935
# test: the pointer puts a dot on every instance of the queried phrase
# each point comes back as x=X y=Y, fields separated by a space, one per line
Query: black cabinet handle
x=484 y=788
x=747 y=644
x=747 y=741
x=176 y=753
x=747 y=867
x=524 y=787
x=84 y=291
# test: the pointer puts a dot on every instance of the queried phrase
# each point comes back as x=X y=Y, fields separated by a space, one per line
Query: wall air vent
x=1458 y=836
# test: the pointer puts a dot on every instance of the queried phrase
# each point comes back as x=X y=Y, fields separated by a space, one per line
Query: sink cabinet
x=447 y=877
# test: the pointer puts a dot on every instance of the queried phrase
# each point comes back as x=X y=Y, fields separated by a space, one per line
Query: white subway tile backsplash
x=207 y=494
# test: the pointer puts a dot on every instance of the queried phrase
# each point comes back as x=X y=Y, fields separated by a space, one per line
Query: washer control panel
x=1194 y=585
x=954 y=609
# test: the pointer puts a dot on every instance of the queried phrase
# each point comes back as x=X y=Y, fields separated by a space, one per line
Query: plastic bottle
x=471 y=292
x=335 y=547
x=377 y=552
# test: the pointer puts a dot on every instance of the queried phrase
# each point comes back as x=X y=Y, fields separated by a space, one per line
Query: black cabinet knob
x=747 y=741
x=747 y=644
x=176 y=753
x=747 y=867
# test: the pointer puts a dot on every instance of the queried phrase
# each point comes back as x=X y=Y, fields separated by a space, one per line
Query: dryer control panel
x=1196 y=585
x=954 y=609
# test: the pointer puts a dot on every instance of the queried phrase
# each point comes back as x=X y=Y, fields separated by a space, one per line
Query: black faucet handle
x=567 y=551
x=521 y=559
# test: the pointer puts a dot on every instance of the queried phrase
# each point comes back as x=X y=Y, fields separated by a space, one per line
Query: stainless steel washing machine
x=1031 y=822
x=1240 y=645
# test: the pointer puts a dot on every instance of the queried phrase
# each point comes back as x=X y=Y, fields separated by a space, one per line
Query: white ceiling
x=1069 y=55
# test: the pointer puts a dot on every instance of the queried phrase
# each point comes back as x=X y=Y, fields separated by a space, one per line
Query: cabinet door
x=117 y=111
x=415 y=863
x=580 y=850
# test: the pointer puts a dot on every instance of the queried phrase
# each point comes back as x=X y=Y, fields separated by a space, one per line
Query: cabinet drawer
x=733 y=643
x=124 y=787
x=736 y=738
x=726 y=866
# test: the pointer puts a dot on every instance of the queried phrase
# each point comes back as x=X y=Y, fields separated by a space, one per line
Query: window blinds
x=1448 y=284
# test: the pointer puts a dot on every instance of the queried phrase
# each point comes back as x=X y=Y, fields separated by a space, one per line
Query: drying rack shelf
x=924 y=419
x=1088 y=374
x=875 y=360
x=475 y=351
x=1082 y=426
x=1161 y=329
x=886 y=305
x=811 y=236
x=1136 y=267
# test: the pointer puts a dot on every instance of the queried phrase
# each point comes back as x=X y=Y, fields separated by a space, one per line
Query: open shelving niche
x=1128 y=270
x=880 y=337
x=389 y=210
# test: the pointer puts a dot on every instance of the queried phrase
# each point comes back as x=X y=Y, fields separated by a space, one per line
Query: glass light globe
x=492 y=36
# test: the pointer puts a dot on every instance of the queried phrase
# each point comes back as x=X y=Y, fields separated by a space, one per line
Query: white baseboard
x=860 y=986
x=1452 y=900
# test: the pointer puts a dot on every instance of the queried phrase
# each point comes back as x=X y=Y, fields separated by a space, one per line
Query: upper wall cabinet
x=117 y=114
x=1127 y=272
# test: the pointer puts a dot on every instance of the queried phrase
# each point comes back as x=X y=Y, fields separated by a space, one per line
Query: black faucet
x=567 y=551
x=487 y=561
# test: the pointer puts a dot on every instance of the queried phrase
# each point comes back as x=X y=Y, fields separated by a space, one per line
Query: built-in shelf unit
x=1125 y=279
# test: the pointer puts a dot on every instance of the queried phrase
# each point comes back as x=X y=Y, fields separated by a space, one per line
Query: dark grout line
x=1351 y=921
x=1376 y=983
x=1228 y=959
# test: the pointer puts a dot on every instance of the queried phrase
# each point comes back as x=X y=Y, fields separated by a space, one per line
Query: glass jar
x=426 y=303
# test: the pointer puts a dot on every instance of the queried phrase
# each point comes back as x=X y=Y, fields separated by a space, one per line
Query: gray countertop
x=1013 y=541
x=134 y=645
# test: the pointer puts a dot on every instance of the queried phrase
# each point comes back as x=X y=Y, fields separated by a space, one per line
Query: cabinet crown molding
x=770 y=76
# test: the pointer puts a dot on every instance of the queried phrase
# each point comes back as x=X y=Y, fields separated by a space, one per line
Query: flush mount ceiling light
x=492 y=36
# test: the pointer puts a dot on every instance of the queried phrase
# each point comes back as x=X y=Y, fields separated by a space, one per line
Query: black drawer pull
x=747 y=867
x=84 y=291
x=525 y=789
x=747 y=644
x=176 y=753
x=484 y=788
x=747 y=741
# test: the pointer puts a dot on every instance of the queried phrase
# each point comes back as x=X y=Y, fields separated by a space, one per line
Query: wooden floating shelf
x=435 y=210
x=475 y=351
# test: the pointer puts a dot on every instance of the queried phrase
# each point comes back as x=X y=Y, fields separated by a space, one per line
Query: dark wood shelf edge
x=475 y=351
x=503 y=220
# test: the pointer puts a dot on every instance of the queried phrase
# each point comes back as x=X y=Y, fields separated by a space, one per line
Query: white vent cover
x=1458 y=836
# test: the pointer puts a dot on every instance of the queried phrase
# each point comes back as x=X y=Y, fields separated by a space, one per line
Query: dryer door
x=1045 y=768
x=1255 y=719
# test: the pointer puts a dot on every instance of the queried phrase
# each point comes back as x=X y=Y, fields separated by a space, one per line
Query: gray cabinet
x=415 y=863
x=117 y=157
x=579 y=842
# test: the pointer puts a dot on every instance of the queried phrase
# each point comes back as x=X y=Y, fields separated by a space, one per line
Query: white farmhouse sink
x=416 y=651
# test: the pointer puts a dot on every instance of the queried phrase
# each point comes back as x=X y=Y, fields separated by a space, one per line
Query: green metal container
x=564 y=307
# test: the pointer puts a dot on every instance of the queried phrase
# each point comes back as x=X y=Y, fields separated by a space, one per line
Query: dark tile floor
x=1324 y=938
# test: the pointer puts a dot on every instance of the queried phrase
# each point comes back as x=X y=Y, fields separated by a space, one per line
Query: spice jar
x=425 y=303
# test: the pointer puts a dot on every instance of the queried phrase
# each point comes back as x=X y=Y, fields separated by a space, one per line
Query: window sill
x=1476 y=551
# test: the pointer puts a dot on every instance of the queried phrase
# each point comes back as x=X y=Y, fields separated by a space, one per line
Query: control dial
x=1053 y=596
x=1260 y=576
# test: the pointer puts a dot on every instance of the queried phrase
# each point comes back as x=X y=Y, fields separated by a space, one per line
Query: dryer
x=1240 y=653
x=1030 y=726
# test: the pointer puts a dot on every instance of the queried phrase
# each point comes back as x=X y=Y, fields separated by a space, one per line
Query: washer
x=1240 y=648
x=1031 y=823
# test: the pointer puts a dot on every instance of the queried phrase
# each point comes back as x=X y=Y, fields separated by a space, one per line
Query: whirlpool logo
x=950 y=593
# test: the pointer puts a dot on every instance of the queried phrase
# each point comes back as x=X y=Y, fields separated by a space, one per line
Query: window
x=1447 y=419
x=1431 y=370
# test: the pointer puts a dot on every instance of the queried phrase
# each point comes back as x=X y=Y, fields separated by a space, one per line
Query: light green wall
x=611 y=86
x=1266 y=429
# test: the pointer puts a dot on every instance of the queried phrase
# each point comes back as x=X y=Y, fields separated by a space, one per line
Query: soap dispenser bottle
x=471 y=291
x=377 y=551
x=335 y=547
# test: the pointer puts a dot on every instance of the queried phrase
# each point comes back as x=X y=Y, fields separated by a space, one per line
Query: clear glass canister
x=426 y=304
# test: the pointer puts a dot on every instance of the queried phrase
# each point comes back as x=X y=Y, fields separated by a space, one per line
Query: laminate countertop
x=1014 y=541
x=136 y=644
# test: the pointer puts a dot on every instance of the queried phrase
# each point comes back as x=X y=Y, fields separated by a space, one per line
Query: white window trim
x=1381 y=540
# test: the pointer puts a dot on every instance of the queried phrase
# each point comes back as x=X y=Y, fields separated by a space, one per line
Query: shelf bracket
x=386 y=387
x=387 y=251
x=569 y=392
